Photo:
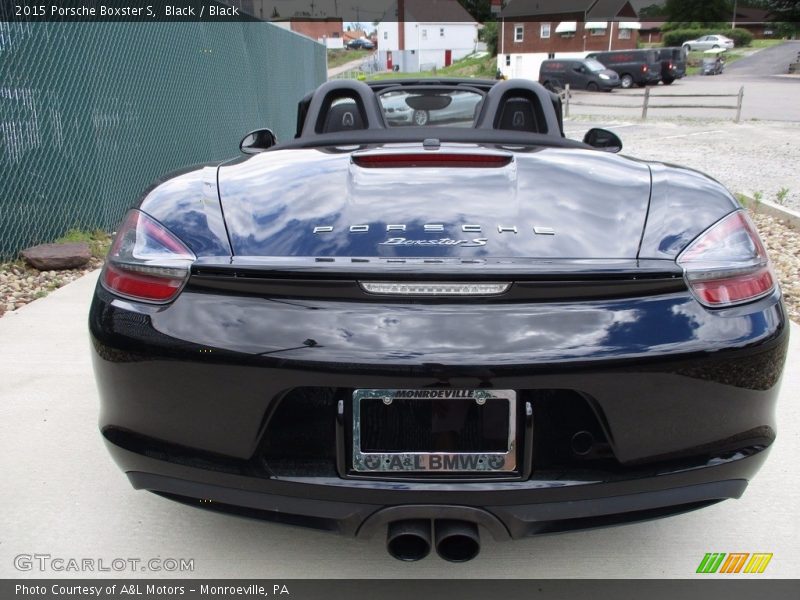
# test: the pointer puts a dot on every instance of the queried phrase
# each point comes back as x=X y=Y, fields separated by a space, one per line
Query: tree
x=784 y=14
x=706 y=11
x=784 y=10
x=480 y=10
x=654 y=10
x=490 y=37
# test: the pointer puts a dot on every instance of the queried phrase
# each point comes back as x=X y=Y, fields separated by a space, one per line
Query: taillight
x=728 y=264
x=146 y=261
x=644 y=68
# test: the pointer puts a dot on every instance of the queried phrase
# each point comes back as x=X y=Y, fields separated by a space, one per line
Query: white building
x=427 y=34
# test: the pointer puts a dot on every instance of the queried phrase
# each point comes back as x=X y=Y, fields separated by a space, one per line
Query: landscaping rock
x=56 y=257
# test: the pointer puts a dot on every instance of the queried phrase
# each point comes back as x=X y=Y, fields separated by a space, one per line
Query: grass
x=752 y=203
x=480 y=68
x=99 y=241
x=336 y=58
x=761 y=44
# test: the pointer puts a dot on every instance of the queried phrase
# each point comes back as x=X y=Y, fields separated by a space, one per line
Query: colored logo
x=734 y=562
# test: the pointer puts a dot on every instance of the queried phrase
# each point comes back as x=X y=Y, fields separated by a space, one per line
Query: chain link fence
x=92 y=113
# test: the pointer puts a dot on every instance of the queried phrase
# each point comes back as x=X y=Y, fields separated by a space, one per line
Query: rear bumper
x=504 y=512
x=684 y=398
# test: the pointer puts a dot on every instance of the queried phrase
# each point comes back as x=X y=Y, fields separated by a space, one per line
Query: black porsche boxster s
x=431 y=314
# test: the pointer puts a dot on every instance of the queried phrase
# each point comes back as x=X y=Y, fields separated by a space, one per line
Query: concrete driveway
x=64 y=497
x=766 y=63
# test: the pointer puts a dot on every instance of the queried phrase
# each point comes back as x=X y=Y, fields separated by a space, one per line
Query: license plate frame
x=434 y=462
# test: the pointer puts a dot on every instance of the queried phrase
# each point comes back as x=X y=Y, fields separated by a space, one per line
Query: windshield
x=595 y=66
x=430 y=108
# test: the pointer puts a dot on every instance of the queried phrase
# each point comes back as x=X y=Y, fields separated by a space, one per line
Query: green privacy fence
x=92 y=113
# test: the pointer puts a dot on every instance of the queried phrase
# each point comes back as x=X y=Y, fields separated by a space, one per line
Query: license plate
x=444 y=431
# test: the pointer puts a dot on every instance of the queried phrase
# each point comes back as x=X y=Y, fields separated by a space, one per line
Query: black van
x=673 y=63
x=642 y=67
x=580 y=74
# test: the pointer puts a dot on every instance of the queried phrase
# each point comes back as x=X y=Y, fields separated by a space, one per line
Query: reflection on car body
x=456 y=107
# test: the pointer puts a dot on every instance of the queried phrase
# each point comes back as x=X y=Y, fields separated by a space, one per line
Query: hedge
x=741 y=37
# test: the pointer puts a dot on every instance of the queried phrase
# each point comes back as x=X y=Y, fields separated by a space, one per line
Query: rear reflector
x=730 y=290
x=434 y=289
x=431 y=159
x=127 y=281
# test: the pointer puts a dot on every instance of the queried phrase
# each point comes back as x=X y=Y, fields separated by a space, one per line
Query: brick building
x=535 y=30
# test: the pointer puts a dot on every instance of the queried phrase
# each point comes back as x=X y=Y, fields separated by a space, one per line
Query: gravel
x=783 y=246
x=750 y=158
x=21 y=284
x=756 y=157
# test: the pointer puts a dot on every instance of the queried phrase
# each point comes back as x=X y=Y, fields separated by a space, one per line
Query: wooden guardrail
x=647 y=96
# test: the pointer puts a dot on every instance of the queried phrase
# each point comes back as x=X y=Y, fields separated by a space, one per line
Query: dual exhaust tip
x=455 y=541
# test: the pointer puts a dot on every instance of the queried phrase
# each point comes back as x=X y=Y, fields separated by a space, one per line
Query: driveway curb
x=791 y=217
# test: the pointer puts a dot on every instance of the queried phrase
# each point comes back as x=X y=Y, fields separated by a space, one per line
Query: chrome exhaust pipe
x=409 y=540
x=457 y=541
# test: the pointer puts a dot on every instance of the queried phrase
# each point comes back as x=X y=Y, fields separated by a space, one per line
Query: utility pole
x=733 y=20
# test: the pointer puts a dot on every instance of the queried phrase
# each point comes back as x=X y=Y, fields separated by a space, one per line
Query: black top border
x=350 y=12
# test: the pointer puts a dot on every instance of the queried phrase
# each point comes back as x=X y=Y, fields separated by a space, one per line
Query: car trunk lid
x=404 y=202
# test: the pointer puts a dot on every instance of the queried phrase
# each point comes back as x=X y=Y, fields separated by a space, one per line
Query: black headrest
x=517 y=115
x=540 y=119
x=344 y=116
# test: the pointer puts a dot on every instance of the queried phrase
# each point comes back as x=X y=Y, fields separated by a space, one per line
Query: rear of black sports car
x=438 y=341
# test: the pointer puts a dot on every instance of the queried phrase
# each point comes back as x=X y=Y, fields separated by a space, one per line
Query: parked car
x=673 y=64
x=580 y=74
x=712 y=65
x=640 y=67
x=415 y=331
x=360 y=44
x=707 y=42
